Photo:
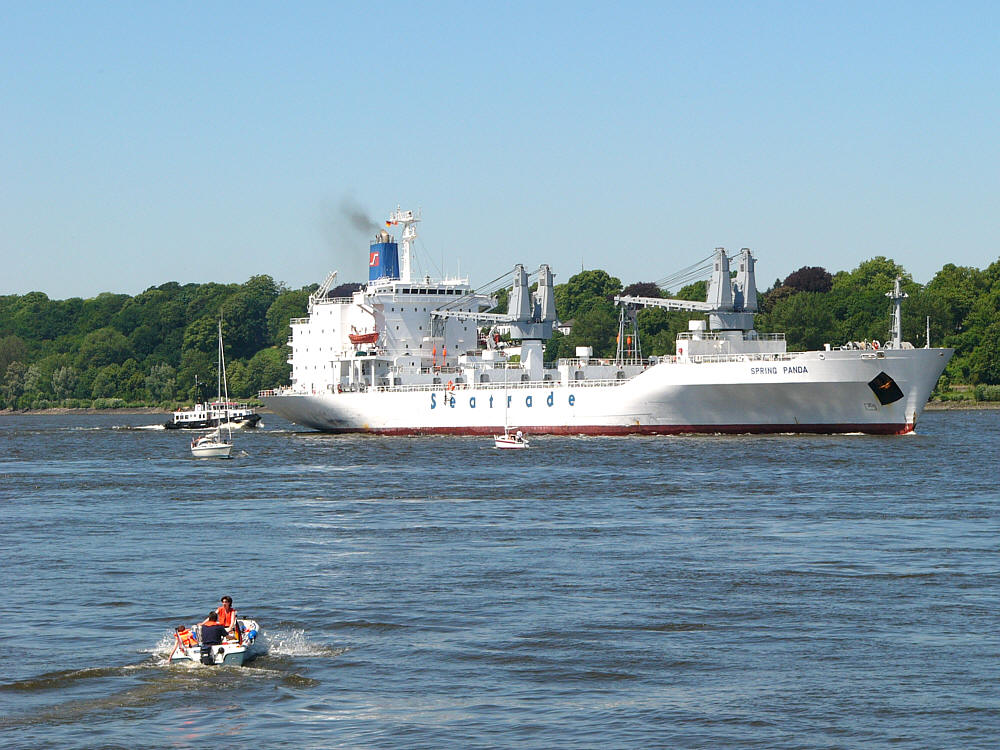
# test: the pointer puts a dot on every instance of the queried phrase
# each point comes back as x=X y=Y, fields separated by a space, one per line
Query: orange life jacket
x=186 y=637
x=226 y=618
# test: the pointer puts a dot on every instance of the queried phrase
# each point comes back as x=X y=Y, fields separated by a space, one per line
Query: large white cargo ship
x=407 y=355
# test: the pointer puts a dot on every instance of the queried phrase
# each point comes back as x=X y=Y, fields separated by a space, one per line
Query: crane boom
x=668 y=304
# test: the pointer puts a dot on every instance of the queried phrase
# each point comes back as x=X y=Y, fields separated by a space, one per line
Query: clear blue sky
x=149 y=142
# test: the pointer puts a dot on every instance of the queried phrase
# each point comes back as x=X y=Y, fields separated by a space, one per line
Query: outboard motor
x=206 y=656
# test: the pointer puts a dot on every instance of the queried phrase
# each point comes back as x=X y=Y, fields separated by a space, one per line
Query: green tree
x=239 y=380
x=244 y=316
x=34 y=381
x=267 y=368
x=34 y=317
x=12 y=349
x=98 y=312
x=202 y=335
x=696 y=292
x=13 y=384
x=206 y=300
x=984 y=362
x=161 y=383
x=583 y=291
x=595 y=325
x=858 y=302
x=200 y=365
x=131 y=382
x=288 y=305
x=103 y=347
x=107 y=384
x=64 y=382
x=806 y=319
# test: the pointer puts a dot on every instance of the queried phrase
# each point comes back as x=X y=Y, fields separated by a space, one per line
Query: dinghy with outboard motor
x=230 y=653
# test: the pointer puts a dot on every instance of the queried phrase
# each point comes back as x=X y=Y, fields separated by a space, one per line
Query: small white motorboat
x=510 y=440
x=211 y=445
x=229 y=653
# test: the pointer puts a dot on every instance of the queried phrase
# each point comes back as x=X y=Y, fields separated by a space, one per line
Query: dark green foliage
x=116 y=349
x=288 y=305
x=585 y=290
x=12 y=349
x=103 y=347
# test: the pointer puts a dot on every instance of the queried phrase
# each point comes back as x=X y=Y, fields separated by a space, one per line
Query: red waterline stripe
x=612 y=430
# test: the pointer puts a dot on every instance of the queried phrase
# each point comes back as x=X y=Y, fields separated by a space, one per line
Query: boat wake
x=295 y=643
x=154 y=678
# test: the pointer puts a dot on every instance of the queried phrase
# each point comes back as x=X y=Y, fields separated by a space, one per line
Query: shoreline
x=961 y=405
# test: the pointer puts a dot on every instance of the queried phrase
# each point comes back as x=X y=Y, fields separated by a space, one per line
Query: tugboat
x=206 y=415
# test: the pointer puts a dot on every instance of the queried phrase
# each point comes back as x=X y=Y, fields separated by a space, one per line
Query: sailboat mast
x=506 y=399
x=224 y=390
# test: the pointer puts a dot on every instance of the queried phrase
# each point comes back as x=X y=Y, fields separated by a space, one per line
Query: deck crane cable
x=695 y=272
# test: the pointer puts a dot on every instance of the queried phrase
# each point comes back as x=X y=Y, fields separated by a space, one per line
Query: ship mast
x=896 y=330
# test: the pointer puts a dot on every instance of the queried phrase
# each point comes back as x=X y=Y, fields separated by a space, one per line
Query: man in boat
x=227 y=617
x=212 y=632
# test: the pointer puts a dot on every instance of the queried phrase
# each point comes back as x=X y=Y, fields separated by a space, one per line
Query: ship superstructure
x=413 y=356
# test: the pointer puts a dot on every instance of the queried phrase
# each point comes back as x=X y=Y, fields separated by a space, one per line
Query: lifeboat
x=363 y=338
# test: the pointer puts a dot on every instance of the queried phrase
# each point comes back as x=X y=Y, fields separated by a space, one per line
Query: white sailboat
x=213 y=444
x=508 y=439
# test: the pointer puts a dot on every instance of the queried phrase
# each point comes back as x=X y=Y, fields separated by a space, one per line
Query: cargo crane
x=530 y=317
x=730 y=305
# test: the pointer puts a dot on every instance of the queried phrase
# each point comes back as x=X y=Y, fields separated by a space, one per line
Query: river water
x=676 y=592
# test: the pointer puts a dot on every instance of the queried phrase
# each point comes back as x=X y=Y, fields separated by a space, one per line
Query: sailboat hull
x=212 y=451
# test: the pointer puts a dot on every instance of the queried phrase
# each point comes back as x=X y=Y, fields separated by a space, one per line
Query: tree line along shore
x=116 y=351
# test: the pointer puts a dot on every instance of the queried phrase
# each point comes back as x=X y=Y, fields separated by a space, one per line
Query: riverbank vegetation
x=117 y=351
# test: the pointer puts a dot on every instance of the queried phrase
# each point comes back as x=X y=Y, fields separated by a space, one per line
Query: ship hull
x=811 y=392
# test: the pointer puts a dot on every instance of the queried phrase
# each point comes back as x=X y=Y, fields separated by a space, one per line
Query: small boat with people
x=233 y=651
x=510 y=440
x=211 y=445
x=223 y=638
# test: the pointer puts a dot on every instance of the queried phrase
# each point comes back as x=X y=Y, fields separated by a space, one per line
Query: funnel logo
x=373 y=260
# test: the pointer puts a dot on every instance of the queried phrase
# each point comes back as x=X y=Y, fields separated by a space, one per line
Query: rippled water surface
x=681 y=592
